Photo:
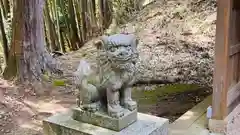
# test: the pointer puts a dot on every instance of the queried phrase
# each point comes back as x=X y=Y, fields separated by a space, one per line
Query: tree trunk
x=66 y=37
x=107 y=13
x=58 y=25
x=74 y=38
x=51 y=29
x=65 y=29
x=2 y=7
x=94 y=7
x=4 y=38
x=46 y=37
x=63 y=48
x=101 y=14
x=28 y=58
x=77 y=12
x=92 y=17
x=83 y=19
x=6 y=7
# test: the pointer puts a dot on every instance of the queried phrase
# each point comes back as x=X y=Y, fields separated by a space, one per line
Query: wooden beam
x=233 y=121
x=233 y=105
x=234 y=49
x=221 y=65
x=233 y=93
x=233 y=97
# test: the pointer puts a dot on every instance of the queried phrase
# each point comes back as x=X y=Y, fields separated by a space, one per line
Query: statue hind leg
x=90 y=99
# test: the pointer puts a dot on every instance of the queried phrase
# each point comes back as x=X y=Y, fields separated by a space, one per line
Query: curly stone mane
x=108 y=61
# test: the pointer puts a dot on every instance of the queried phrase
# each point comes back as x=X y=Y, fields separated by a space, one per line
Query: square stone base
x=64 y=124
x=101 y=119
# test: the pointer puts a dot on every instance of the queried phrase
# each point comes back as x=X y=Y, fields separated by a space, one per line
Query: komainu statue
x=108 y=85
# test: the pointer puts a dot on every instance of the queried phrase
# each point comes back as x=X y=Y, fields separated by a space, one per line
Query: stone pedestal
x=102 y=119
x=64 y=124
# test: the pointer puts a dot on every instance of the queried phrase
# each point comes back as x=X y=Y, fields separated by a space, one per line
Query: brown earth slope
x=176 y=39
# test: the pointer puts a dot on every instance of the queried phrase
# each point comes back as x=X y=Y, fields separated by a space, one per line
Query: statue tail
x=83 y=70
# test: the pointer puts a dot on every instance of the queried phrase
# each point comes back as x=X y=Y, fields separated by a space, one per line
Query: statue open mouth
x=124 y=58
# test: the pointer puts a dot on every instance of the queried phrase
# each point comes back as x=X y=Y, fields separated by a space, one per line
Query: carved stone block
x=63 y=124
x=102 y=119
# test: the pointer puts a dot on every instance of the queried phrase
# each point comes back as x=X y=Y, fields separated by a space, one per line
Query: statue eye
x=112 y=49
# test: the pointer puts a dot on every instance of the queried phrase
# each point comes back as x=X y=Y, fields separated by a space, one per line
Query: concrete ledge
x=193 y=122
x=102 y=119
x=63 y=124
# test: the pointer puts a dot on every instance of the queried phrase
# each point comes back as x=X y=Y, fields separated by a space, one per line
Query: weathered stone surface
x=108 y=83
x=63 y=124
x=102 y=119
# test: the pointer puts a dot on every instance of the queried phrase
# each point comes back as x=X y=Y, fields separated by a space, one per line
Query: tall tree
x=94 y=7
x=105 y=8
x=4 y=38
x=28 y=58
x=6 y=7
x=83 y=15
x=51 y=29
x=56 y=3
x=74 y=38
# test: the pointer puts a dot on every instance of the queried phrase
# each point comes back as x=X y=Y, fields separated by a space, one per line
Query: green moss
x=59 y=83
x=152 y=96
x=45 y=77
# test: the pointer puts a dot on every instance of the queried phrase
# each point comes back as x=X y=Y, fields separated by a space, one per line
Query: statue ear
x=137 y=41
x=99 y=44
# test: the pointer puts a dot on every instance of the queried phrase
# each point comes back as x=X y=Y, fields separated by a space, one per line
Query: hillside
x=176 y=39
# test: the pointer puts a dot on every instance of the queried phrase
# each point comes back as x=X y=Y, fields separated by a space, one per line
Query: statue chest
x=126 y=77
x=113 y=77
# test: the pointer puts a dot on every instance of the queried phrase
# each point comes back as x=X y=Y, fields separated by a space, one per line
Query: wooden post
x=221 y=65
x=220 y=82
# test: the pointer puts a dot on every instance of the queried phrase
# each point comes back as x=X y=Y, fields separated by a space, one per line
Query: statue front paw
x=115 y=111
x=93 y=107
x=130 y=105
x=116 y=86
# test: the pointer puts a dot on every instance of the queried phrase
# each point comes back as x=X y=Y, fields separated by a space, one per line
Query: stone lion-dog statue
x=110 y=85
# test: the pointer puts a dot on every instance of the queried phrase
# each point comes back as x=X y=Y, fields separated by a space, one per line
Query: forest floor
x=176 y=39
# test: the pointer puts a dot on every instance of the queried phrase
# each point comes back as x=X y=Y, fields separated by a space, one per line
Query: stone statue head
x=119 y=48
